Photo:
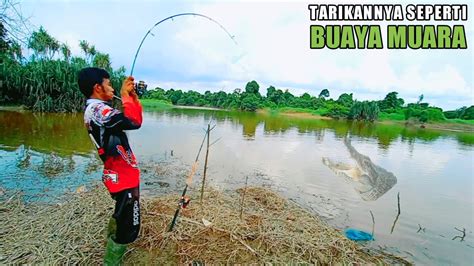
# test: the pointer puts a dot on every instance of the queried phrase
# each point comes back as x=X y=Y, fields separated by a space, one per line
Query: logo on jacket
x=136 y=213
x=110 y=175
x=128 y=156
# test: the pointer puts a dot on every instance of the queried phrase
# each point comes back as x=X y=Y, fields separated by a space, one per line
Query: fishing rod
x=174 y=16
x=184 y=201
x=232 y=37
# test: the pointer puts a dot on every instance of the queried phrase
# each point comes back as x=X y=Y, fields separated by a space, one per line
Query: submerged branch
x=463 y=231
x=373 y=223
x=420 y=228
x=398 y=215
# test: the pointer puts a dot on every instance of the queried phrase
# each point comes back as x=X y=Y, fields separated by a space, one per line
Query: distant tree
x=424 y=113
x=458 y=113
x=88 y=50
x=423 y=116
x=317 y=103
x=157 y=93
x=336 y=110
x=220 y=99
x=102 y=60
x=305 y=96
x=233 y=99
x=420 y=99
x=65 y=51
x=345 y=100
x=324 y=93
x=275 y=96
x=424 y=105
x=43 y=44
x=391 y=102
x=435 y=114
x=252 y=87
x=451 y=114
x=175 y=96
x=84 y=45
x=270 y=91
x=468 y=113
x=304 y=101
x=288 y=97
x=250 y=102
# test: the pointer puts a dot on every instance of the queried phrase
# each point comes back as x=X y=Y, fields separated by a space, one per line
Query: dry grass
x=71 y=232
x=271 y=230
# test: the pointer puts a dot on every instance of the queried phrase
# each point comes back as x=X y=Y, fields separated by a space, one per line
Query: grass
x=460 y=121
x=262 y=229
x=292 y=110
x=391 y=116
x=156 y=104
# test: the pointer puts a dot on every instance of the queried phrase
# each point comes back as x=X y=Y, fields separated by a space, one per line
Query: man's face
x=105 y=90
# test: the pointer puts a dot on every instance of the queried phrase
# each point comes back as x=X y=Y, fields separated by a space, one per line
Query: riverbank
x=294 y=112
x=454 y=125
x=14 y=108
x=268 y=229
x=163 y=105
x=443 y=126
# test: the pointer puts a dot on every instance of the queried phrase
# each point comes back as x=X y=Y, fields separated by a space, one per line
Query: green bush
x=425 y=114
x=365 y=110
x=47 y=82
x=469 y=113
x=337 y=111
x=435 y=114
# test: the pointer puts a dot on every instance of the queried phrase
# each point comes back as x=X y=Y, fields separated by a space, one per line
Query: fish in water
x=370 y=181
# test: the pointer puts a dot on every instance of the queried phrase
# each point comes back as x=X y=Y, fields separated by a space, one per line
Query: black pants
x=127 y=215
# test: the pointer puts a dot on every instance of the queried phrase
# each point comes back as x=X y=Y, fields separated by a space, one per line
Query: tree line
x=250 y=99
x=46 y=81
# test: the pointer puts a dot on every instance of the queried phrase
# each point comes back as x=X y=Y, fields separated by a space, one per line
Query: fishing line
x=149 y=32
x=232 y=37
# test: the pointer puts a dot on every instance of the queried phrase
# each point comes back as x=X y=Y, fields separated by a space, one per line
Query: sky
x=273 y=48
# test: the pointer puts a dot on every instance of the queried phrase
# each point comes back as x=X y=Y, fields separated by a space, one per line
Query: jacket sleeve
x=130 y=118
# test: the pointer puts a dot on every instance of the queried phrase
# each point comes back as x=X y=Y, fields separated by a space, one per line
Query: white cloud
x=273 y=48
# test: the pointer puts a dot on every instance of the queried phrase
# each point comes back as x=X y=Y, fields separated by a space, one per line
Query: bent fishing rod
x=184 y=201
x=232 y=37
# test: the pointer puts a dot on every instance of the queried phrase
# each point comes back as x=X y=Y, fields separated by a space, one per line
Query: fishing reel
x=184 y=201
x=140 y=88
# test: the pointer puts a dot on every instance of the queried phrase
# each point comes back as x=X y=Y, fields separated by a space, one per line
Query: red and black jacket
x=106 y=126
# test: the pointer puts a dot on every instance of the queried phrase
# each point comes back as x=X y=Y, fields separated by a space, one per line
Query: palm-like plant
x=368 y=111
x=44 y=84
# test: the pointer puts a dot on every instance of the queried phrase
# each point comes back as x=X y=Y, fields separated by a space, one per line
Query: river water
x=432 y=172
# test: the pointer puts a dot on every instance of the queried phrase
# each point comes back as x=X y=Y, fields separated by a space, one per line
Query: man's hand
x=128 y=88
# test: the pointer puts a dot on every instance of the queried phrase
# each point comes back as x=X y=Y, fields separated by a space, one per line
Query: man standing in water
x=121 y=176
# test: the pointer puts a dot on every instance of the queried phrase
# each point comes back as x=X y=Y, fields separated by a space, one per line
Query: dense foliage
x=461 y=113
x=345 y=106
x=47 y=80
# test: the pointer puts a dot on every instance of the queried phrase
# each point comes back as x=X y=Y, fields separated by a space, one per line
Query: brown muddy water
x=339 y=170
